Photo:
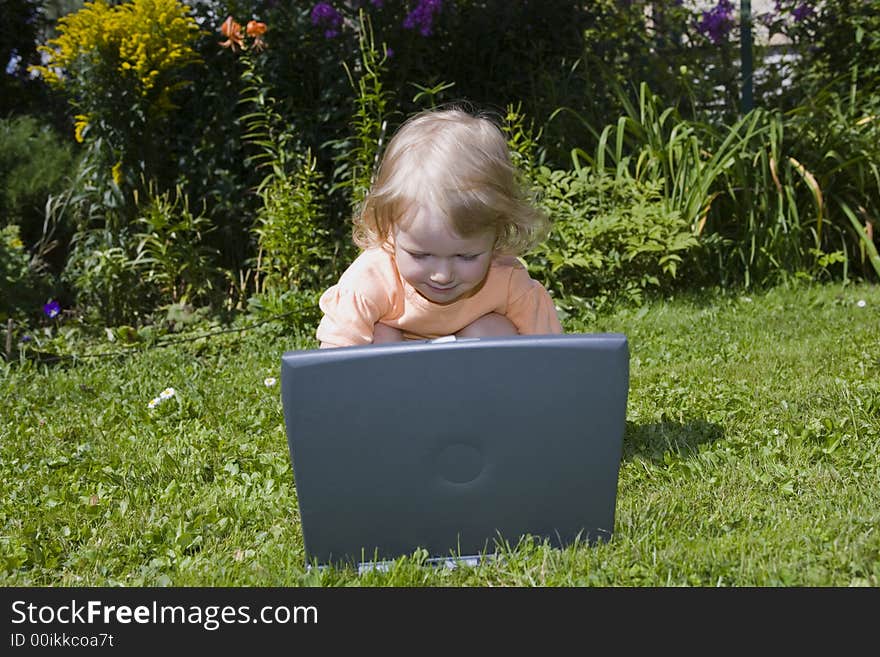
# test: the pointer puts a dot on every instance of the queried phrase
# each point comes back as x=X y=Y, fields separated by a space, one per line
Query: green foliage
x=789 y=190
x=22 y=289
x=361 y=151
x=655 y=144
x=764 y=194
x=523 y=140
x=119 y=275
x=786 y=203
x=836 y=137
x=294 y=243
x=120 y=67
x=171 y=253
x=612 y=237
x=264 y=126
x=34 y=164
x=840 y=46
x=108 y=287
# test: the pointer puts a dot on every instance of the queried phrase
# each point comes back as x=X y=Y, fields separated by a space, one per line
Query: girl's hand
x=383 y=334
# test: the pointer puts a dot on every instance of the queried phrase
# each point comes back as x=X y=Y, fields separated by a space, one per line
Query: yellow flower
x=116 y=171
x=144 y=41
x=82 y=122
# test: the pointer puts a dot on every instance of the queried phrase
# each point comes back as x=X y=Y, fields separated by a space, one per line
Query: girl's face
x=442 y=266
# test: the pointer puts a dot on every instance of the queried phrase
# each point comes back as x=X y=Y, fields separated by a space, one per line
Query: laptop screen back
x=455 y=446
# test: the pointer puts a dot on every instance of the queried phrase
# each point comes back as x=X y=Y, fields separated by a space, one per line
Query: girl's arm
x=531 y=308
x=349 y=318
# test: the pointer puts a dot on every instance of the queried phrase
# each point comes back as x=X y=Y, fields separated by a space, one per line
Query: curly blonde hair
x=460 y=163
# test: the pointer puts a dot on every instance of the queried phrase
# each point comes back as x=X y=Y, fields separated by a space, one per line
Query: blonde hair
x=459 y=163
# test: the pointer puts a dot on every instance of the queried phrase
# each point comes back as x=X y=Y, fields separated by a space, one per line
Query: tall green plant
x=120 y=66
x=293 y=244
x=837 y=138
x=171 y=252
x=22 y=289
x=360 y=152
x=763 y=194
x=108 y=287
x=293 y=239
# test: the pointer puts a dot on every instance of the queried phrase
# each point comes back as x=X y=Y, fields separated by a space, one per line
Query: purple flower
x=717 y=22
x=325 y=15
x=423 y=16
x=52 y=309
x=25 y=338
x=802 y=12
x=377 y=3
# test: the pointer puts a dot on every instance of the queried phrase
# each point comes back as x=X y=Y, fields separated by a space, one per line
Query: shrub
x=612 y=237
x=291 y=232
x=109 y=290
x=22 y=289
x=120 y=66
x=171 y=253
x=34 y=164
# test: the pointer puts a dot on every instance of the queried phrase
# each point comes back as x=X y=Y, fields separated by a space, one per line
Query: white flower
x=269 y=381
x=861 y=303
x=164 y=396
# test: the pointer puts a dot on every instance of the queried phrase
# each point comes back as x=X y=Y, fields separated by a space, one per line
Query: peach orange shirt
x=372 y=291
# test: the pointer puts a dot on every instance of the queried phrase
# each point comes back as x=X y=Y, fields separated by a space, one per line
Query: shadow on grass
x=653 y=441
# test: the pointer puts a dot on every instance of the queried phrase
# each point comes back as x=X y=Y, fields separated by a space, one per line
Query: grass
x=751 y=458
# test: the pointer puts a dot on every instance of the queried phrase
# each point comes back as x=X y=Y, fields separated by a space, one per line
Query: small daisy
x=168 y=393
x=861 y=303
x=154 y=402
x=269 y=381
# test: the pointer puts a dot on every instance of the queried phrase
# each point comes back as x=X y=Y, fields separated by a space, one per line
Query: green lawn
x=751 y=458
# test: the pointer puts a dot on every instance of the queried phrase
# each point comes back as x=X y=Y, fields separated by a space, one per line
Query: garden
x=176 y=190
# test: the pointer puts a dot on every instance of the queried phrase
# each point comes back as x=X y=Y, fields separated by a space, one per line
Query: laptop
x=455 y=447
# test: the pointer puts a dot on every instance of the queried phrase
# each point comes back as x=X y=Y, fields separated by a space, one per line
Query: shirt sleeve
x=531 y=308
x=349 y=318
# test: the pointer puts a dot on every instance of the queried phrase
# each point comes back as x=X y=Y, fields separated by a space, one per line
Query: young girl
x=440 y=231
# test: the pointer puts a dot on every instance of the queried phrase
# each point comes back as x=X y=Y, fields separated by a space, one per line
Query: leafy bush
x=838 y=42
x=171 y=253
x=109 y=289
x=120 y=66
x=800 y=196
x=769 y=195
x=292 y=237
x=22 y=289
x=34 y=164
x=612 y=237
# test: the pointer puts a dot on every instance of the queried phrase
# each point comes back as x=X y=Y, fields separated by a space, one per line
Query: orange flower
x=232 y=31
x=256 y=30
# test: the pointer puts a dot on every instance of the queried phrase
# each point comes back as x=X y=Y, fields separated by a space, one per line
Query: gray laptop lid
x=454 y=446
